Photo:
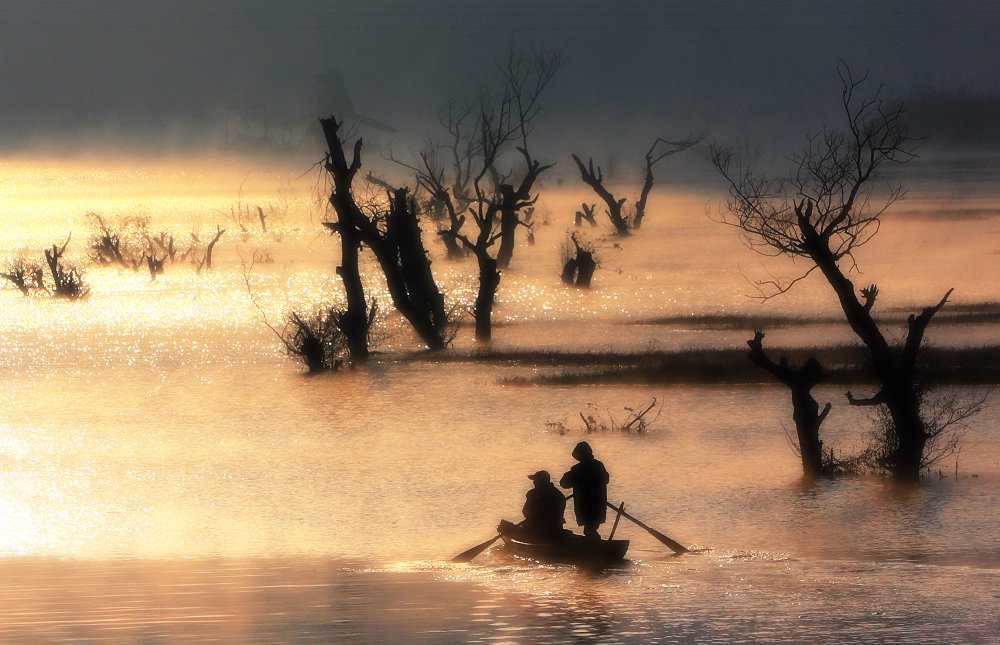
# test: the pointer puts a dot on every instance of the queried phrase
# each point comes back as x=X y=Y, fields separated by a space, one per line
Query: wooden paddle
x=469 y=554
x=673 y=546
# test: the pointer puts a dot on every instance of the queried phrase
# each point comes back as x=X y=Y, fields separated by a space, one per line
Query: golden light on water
x=156 y=430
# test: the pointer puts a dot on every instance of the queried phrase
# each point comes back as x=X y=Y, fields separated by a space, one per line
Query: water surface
x=168 y=475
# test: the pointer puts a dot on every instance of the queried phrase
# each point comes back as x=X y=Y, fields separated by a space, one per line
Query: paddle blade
x=469 y=554
x=670 y=544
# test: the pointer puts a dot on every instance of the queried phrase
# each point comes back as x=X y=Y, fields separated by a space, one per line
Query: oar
x=469 y=554
x=674 y=546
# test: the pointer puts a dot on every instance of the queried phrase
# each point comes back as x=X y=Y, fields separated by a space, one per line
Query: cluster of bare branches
x=251 y=219
x=635 y=419
x=945 y=415
x=578 y=261
x=461 y=180
x=127 y=242
x=829 y=206
x=621 y=220
x=64 y=280
x=320 y=339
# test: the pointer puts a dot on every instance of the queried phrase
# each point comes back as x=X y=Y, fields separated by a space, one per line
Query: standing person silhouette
x=589 y=480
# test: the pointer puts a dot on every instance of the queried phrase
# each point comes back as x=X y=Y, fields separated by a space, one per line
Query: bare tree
x=578 y=262
x=465 y=176
x=594 y=177
x=805 y=410
x=586 y=214
x=828 y=208
x=393 y=235
x=497 y=201
x=25 y=275
x=463 y=172
x=67 y=281
x=206 y=260
x=117 y=242
x=660 y=150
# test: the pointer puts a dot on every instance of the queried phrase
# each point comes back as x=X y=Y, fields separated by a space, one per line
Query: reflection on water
x=700 y=599
x=167 y=475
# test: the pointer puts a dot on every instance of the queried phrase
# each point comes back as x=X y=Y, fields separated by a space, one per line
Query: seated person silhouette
x=543 y=509
x=589 y=481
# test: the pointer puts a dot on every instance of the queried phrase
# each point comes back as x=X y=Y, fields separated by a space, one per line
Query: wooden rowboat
x=570 y=548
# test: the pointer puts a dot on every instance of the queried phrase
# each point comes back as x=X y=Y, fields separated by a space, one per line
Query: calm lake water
x=168 y=475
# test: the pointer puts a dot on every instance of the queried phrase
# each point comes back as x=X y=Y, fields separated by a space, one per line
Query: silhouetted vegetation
x=461 y=177
x=317 y=339
x=578 y=262
x=826 y=209
x=64 y=280
x=393 y=235
x=594 y=177
x=585 y=214
x=805 y=410
x=637 y=419
x=127 y=242
x=67 y=280
x=25 y=275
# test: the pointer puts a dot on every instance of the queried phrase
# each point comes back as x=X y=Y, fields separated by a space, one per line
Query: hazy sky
x=118 y=71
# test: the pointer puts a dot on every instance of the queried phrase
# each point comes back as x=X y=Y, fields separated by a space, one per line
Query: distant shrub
x=636 y=419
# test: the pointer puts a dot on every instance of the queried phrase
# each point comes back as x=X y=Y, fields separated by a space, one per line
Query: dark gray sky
x=162 y=73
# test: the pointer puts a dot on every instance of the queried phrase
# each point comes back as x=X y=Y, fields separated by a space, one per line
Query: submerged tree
x=578 y=262
x=393 y=235
x=594 y=177
x=829 y=207
x=25 y=275
x=466 y=177
x=464 y=171
x=317 y=339
x=67 y=280
x=805 y=410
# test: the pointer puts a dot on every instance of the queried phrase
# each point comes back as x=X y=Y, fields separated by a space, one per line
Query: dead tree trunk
x=569 y=271
x=67 y=282
x=489 y=282
x=661 y=149
x=428 y=322
x=508 y=226
x=585 y=267
x=211 y=246
x=896 y=374
x=403 y=231
x=586 y=214
x=355 y=320
x=647 y=186
x=579 y=267
x=805 y=410
x=594 y=179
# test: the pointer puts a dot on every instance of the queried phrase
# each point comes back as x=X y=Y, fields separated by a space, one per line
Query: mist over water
x=162 y=456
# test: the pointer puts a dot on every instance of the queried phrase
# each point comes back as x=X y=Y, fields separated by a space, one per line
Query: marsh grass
x=844 y=365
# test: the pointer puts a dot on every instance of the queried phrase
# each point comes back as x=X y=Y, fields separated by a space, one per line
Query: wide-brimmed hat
x=540 y=476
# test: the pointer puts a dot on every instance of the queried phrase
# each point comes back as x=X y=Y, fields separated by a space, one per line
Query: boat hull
x=570 y=548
